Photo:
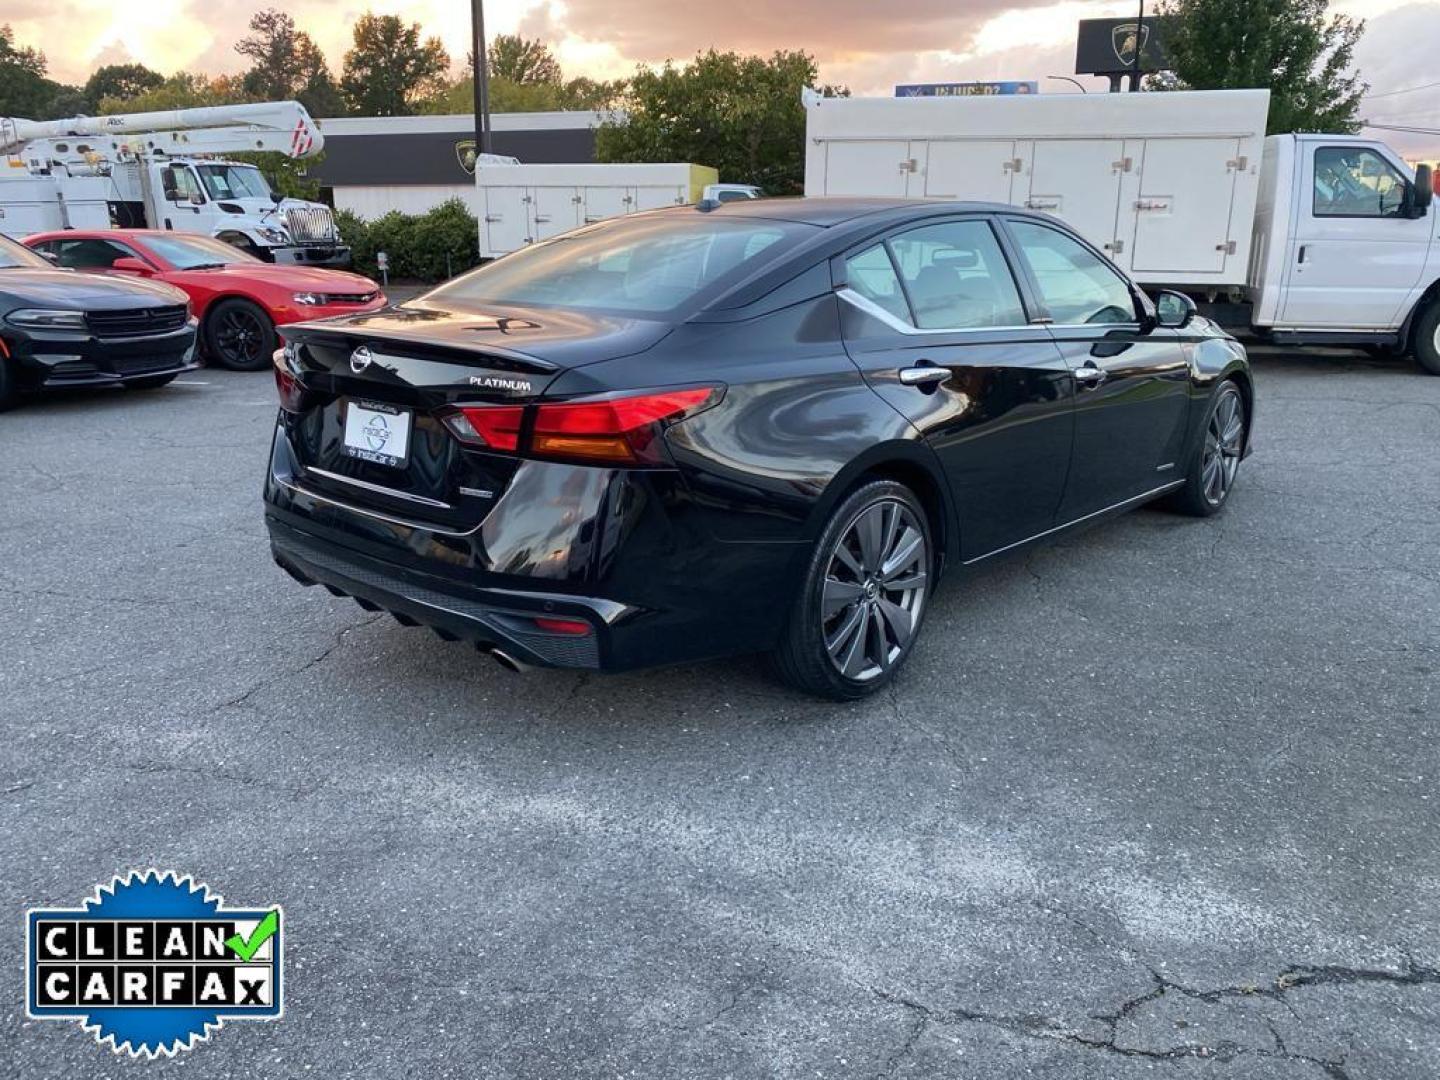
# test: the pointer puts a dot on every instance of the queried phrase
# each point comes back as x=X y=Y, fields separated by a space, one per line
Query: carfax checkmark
x=244 y=948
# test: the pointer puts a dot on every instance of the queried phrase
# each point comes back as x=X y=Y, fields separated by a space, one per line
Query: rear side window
x=1076 y=285
x=91 y=254
x=957 y=277
x=873 y=276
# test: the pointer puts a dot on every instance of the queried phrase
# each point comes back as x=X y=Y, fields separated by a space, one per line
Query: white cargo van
x=1295 y=238
x=518 y=205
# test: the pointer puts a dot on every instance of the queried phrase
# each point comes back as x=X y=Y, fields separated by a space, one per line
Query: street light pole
x=1067 y=78
x=481 y=73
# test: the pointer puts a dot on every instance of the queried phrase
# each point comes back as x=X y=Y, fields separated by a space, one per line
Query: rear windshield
x=645 y=265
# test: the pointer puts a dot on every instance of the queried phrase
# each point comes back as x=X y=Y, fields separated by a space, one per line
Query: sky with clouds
x=866 y=45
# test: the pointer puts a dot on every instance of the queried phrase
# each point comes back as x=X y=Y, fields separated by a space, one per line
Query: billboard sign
x=1108 y=46
x=966 y=89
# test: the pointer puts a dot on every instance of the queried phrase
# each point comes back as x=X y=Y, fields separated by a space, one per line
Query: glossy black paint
x=703 y=558
x=38 y=359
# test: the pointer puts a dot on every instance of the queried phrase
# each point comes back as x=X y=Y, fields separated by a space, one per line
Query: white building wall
x=371 y=202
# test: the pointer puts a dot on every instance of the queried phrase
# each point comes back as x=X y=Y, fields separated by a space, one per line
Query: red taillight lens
x=287 y=384
x=622 y=429
x=494 y=426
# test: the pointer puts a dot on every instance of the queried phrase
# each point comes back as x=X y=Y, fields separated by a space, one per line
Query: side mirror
x=129 y=264
x=276 y=197
x=196 y=199
x=1421 y=193
x=49 y=256
x=1174 y=310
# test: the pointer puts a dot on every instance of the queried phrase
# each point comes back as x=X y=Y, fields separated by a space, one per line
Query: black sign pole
x=481 y=72
x=1139 y=46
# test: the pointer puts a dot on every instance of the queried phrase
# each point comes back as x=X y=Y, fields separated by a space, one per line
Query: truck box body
x=1164 y=183
x=31 y=204
x=518 y=205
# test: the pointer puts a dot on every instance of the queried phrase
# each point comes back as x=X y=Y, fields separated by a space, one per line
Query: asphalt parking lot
x=1160 y=799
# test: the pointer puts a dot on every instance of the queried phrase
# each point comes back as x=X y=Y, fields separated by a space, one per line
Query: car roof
x=830 y=210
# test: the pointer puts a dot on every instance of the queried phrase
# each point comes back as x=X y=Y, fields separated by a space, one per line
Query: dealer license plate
x=377 y=432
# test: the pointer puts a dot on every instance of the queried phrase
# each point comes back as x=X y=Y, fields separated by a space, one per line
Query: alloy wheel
x=875 y=587
x=240 y=336
x=1224 y=438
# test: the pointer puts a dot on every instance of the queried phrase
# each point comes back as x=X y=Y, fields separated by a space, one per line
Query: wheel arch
x=1431 y=295
x=906 y=462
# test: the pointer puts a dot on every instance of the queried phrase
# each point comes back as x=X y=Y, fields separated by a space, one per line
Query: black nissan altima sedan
x=61 y=330
x=766 y=426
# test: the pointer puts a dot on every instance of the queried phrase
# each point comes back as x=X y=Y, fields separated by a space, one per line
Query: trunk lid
x=379 y=384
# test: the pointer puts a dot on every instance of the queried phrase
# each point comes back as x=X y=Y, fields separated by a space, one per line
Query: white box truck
x=518 y=205
x=1300 y=239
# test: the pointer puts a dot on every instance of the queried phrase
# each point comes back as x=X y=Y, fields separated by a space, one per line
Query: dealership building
x=375 y=164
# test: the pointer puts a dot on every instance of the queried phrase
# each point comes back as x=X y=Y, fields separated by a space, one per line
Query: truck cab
x=1345 y=248
x=232 y=201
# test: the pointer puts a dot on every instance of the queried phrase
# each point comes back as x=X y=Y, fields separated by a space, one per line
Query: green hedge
x=422 y=247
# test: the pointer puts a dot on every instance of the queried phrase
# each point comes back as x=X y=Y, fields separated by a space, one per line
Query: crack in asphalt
x=243 y=698
x=1041 y=1027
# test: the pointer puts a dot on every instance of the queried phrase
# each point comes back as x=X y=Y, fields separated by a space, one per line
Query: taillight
x=496 y=427
x=287 y=383
x=572 y=627
x=622 y=429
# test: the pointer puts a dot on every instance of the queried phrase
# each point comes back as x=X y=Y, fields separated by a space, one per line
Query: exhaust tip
x=508 y=662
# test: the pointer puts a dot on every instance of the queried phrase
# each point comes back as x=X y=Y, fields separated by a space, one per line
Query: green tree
x=740 y=114
x=521 y=61
x=286 y=64
x=183 y=90
x=120 y=81
x=390 y=71
x=1294 y=48
x=508 y=97
x=24 y=89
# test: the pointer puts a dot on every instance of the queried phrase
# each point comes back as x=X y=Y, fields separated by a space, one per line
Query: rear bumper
x=623 y=553
x=491 y=618
x=79 y=360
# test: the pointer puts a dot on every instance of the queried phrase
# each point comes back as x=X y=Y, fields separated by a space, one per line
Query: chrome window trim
x=874 y=310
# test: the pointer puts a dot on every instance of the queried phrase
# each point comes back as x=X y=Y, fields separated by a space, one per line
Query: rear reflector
x=573 y=627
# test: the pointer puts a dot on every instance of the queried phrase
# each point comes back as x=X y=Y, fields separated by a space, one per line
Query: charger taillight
x=622 y=429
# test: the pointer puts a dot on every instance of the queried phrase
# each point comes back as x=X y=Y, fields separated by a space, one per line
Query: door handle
x=1089 y=376
x=924 y=376
x=1301 y=259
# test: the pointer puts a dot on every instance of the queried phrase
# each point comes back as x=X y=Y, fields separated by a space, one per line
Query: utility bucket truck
x=167 y=170
x=1297 y=239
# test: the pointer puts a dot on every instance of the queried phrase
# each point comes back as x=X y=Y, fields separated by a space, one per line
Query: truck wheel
x=1427 y=338
x=239 y=335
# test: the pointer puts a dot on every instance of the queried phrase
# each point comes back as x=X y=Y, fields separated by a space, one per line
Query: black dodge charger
x=61 y=329
x=764 y=426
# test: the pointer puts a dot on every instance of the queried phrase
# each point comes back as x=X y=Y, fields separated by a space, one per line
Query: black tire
x=151 y=382
x=1215 y=464
x=7 y=384
x=848 y=583
x=239 y=335
x=1427 y=338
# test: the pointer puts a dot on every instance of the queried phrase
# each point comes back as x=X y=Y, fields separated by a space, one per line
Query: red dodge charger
x=238 y=299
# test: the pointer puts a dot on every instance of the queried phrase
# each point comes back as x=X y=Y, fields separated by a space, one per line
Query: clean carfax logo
x=152 y=962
